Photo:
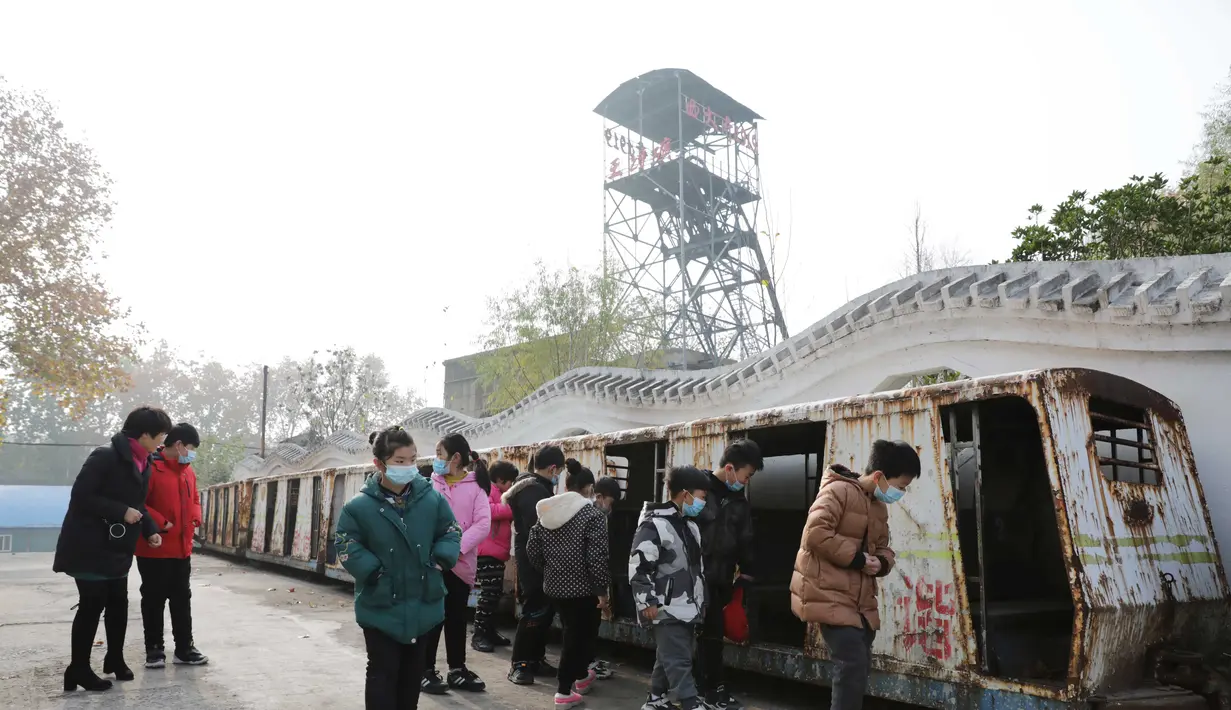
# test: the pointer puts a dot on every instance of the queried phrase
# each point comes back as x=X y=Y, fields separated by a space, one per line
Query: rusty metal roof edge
x=960 y=390
x=1214 y=270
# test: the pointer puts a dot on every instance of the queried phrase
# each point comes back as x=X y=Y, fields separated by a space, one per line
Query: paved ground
x=274 y=642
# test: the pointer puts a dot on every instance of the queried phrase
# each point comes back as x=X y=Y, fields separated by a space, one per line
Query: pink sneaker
x=572 y=700
x=585 y=685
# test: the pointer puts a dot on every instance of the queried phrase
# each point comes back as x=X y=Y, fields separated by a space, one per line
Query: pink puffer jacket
x=499 y=541
x=470 y=506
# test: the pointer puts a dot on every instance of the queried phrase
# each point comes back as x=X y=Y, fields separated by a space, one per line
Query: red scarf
x=140 y=456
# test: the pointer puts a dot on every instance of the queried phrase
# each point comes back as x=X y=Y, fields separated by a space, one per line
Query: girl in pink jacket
x=493 y=554
x=460 y=476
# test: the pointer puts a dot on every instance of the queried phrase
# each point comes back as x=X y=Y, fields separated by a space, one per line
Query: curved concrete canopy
x=1165 y=323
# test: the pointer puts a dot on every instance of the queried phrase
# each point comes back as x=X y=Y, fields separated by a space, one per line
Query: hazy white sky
x=297 y=174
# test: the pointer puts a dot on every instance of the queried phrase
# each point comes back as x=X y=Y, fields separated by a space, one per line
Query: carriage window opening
x=235 y=518
x=214 y=520
x=316 y=517
x=617 y=468
x=271 y=508
x=226 y=516
x=292 y=514
x=781 y=495
x=641 y=469
x=1009 y=540
x=1124 y=443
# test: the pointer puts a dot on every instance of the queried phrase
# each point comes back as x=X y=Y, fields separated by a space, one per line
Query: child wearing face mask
x=607 y=493
x=568 y=546
x=397 y=538
x=494 y=553
x=666 y=573
x=461 y=477
x=727 y=544
x=844 y=549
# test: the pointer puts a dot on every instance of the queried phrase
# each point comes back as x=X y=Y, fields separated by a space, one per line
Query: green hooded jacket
x=393 y=555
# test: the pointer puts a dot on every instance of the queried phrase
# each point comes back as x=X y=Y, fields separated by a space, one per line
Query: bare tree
x=922 y=255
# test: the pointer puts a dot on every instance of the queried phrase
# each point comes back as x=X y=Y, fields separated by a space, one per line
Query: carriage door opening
x=337 y=499
x=641 y=469
x=271 y=506
x=780 y=496
x=1016 y=582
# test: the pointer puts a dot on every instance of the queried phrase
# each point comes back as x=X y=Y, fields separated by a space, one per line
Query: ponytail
x=578 y=476
x=480 y=473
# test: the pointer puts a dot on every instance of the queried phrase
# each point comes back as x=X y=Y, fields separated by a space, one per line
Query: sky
x=306 y=175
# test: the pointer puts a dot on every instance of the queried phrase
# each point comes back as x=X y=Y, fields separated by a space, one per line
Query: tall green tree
x=61 y=332
x=561 y=320
x=1215 y=137
x=1145 y=217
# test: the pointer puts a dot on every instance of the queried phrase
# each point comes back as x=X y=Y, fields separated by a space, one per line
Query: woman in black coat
x=105 y=515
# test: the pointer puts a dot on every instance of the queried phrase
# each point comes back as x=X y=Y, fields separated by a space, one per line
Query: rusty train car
x=1056 y=553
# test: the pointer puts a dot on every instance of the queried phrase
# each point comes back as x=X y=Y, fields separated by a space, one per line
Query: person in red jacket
x=493 y=554
x=175 y=506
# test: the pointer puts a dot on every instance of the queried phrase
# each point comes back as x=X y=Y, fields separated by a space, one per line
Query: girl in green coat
x=394 y=538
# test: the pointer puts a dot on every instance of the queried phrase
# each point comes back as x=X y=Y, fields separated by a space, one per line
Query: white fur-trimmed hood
x=557 y=510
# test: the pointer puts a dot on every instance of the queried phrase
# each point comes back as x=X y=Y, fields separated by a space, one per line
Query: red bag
x=735 y=618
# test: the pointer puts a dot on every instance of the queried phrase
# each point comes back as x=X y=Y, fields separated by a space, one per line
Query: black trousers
x=395 y=672
x=166 y=580
x=490 y=581
x=454 y=626
x=93 y=598
x=850 y=649
x=537 y=612
x=580 y=618
x=710 y=646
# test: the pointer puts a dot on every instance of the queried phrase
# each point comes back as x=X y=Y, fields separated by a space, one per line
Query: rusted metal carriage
x=1057 y=552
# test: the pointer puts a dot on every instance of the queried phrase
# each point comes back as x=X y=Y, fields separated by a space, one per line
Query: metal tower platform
x=681 y=202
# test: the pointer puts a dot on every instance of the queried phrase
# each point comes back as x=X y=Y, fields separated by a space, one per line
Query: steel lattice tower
x=683 y=178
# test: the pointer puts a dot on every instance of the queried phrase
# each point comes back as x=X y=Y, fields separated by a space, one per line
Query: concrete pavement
x=273 y=642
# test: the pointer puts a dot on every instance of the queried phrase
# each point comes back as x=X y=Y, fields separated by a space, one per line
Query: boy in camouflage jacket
x=667 y=578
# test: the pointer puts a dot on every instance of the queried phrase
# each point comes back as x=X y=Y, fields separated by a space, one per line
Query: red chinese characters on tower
x=692 y=108
x=926 y=615
x=662 y=151
x=615 y=169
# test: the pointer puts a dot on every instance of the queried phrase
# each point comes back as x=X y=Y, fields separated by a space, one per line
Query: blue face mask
x=735 y=486
x=693 y=509
x=401 y=475
x=890 y=496
x=440 y=466
x=192 y=456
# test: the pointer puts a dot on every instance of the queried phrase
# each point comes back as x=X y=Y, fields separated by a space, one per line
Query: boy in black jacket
x=726 y=540
x=530 y=644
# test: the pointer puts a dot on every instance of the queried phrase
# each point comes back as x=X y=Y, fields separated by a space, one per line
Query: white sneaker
x=573 y=700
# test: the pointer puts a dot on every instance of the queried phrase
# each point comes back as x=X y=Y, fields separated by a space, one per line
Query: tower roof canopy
x=648 y=105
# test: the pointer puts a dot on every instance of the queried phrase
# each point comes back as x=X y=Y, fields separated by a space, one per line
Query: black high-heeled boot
x=85 y=625
x=112 y=664
x=84 y=678
x=115 y=621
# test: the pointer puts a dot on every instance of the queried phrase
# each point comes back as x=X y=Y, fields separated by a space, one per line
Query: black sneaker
x=521 y=674
x=544 y=669
x=726 y=700
x=498 y=640
x=482 y=642
x=464 y=679
x=433 y=684
x=189 y=657
x=720 y=699
x=602 y=670
x=155 y=657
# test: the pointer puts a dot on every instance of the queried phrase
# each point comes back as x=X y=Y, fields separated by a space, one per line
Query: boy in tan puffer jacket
x=844 y=548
